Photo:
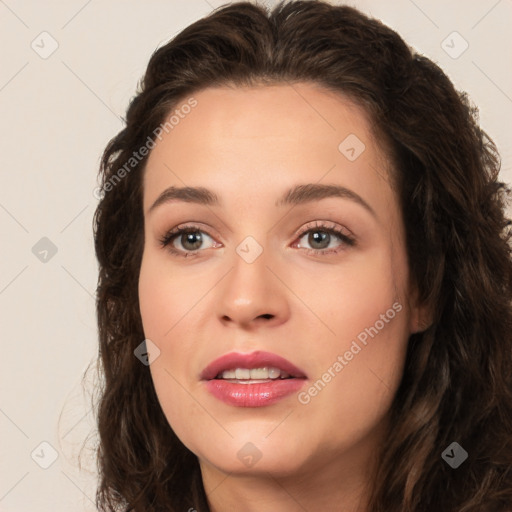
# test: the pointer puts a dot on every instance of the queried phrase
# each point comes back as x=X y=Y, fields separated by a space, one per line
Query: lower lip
x=253 y=395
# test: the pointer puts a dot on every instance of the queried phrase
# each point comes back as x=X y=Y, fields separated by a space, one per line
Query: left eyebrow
x=301 y=194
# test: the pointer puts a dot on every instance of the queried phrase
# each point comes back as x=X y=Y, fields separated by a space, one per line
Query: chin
x=253 y=455
x=277 y=467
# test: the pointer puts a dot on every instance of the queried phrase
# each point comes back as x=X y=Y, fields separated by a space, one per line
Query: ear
x=421 y=313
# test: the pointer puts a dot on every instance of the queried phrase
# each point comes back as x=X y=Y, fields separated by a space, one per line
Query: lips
x=254 y=392
x=258 y=359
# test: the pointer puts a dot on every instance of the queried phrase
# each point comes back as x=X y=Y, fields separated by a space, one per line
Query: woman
x=304 y=299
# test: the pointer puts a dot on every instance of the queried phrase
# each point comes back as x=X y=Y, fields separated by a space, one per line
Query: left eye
x=320 y=238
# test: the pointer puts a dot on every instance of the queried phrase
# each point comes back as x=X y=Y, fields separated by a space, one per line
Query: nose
x=252 y=294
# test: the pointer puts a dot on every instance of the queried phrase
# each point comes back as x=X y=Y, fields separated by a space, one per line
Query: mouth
x=253 y=375
x=252 y=380
x=257 y=365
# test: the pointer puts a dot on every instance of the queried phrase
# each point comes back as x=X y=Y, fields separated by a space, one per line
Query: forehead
x=266 y=112
x=256 y=139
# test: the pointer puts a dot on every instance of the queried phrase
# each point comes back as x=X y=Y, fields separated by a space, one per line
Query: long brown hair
x=457 y=382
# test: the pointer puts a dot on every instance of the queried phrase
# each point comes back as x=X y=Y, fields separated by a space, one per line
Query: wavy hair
x=457 y=380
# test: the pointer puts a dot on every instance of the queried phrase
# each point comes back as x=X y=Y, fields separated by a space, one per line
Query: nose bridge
x=250 y=289
x=249 y=278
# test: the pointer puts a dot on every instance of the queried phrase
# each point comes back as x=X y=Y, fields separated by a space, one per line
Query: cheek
x=353 y=297
x=166 y=302
x=359 y=358
x=164 y=296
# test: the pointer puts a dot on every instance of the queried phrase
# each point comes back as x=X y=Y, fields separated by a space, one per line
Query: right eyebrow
x=199 y=195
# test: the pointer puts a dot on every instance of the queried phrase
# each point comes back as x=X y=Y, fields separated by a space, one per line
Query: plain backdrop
x=68 y=70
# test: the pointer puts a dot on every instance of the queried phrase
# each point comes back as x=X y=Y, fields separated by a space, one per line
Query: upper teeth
x=254 y=374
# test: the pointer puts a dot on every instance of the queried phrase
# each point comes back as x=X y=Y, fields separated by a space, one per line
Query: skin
x=249 y=145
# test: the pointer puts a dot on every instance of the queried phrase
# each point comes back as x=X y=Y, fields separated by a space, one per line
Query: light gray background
x=56 y=116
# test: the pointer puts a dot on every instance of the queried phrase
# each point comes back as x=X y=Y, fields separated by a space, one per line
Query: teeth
x=242 y=373
x=254 y=374
x=263 y=373
x=273 y=373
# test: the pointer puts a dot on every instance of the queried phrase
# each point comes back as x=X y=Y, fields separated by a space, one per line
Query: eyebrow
x=299 y=194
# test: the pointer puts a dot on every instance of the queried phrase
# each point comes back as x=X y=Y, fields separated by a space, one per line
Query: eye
x=187 y=241
x=321 y=238
x=190 y=238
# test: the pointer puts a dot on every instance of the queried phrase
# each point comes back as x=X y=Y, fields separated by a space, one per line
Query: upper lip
x=257 y=359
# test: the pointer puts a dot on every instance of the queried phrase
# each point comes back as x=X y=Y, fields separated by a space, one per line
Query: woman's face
x=315 y=275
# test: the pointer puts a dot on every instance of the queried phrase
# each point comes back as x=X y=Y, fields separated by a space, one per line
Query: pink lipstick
x=252 y=380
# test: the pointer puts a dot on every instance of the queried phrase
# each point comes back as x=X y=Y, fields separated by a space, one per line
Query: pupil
x=314 y=238
x=193 y=238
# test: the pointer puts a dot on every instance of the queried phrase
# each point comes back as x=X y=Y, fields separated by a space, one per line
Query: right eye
x=189 y=237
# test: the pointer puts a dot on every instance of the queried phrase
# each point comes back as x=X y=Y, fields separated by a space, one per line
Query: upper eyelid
x=325 y=225
x=319 y=224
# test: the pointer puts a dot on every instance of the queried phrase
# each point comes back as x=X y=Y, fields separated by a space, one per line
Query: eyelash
x=168 y=238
